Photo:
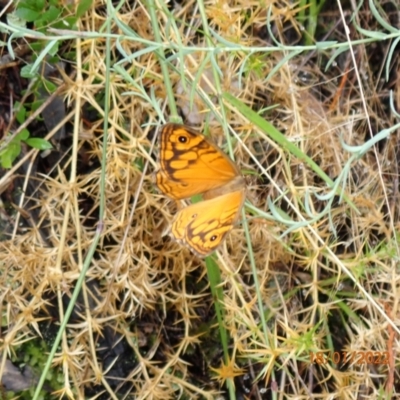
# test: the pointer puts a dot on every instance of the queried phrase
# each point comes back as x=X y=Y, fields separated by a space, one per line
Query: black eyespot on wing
x=183 y=139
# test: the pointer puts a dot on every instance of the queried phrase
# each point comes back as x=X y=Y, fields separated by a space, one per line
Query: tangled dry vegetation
x=144 y=325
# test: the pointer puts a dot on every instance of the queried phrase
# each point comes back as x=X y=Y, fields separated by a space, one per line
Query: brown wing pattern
x=190 y=163
x=202 y=230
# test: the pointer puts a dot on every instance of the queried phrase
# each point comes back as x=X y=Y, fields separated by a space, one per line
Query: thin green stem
x=163 y=63
x=97 y=236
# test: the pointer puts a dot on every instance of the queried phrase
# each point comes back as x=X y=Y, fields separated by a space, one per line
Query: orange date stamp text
x=352 y=357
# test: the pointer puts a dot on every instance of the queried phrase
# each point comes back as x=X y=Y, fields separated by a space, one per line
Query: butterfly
x=191 y=164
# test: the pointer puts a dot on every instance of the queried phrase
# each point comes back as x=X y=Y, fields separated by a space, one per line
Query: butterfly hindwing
x=203 y=226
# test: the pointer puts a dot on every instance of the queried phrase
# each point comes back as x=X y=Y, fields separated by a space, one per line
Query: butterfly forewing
x=190 y=163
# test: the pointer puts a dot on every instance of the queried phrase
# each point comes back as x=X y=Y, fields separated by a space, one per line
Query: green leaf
x=27 y=14
x=15 y=149
x=39 y=144
x=23 y=135
x=26 y=71
x=39 y=4
x=49 y=86
x=83 y=6
x=36 y=5
x=8 y=155
x=70 y=22
x=53 y=59
x=376 y=35
x=36 y=104
x=21 y=112
x=5 y=159
x=51 y=14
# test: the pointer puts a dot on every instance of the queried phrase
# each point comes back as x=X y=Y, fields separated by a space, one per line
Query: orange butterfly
x=191 y=164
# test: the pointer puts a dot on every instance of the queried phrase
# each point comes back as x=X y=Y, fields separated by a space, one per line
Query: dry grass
x=152 y=292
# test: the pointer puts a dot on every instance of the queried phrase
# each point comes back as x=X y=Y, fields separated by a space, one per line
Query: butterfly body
x=191 y=164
